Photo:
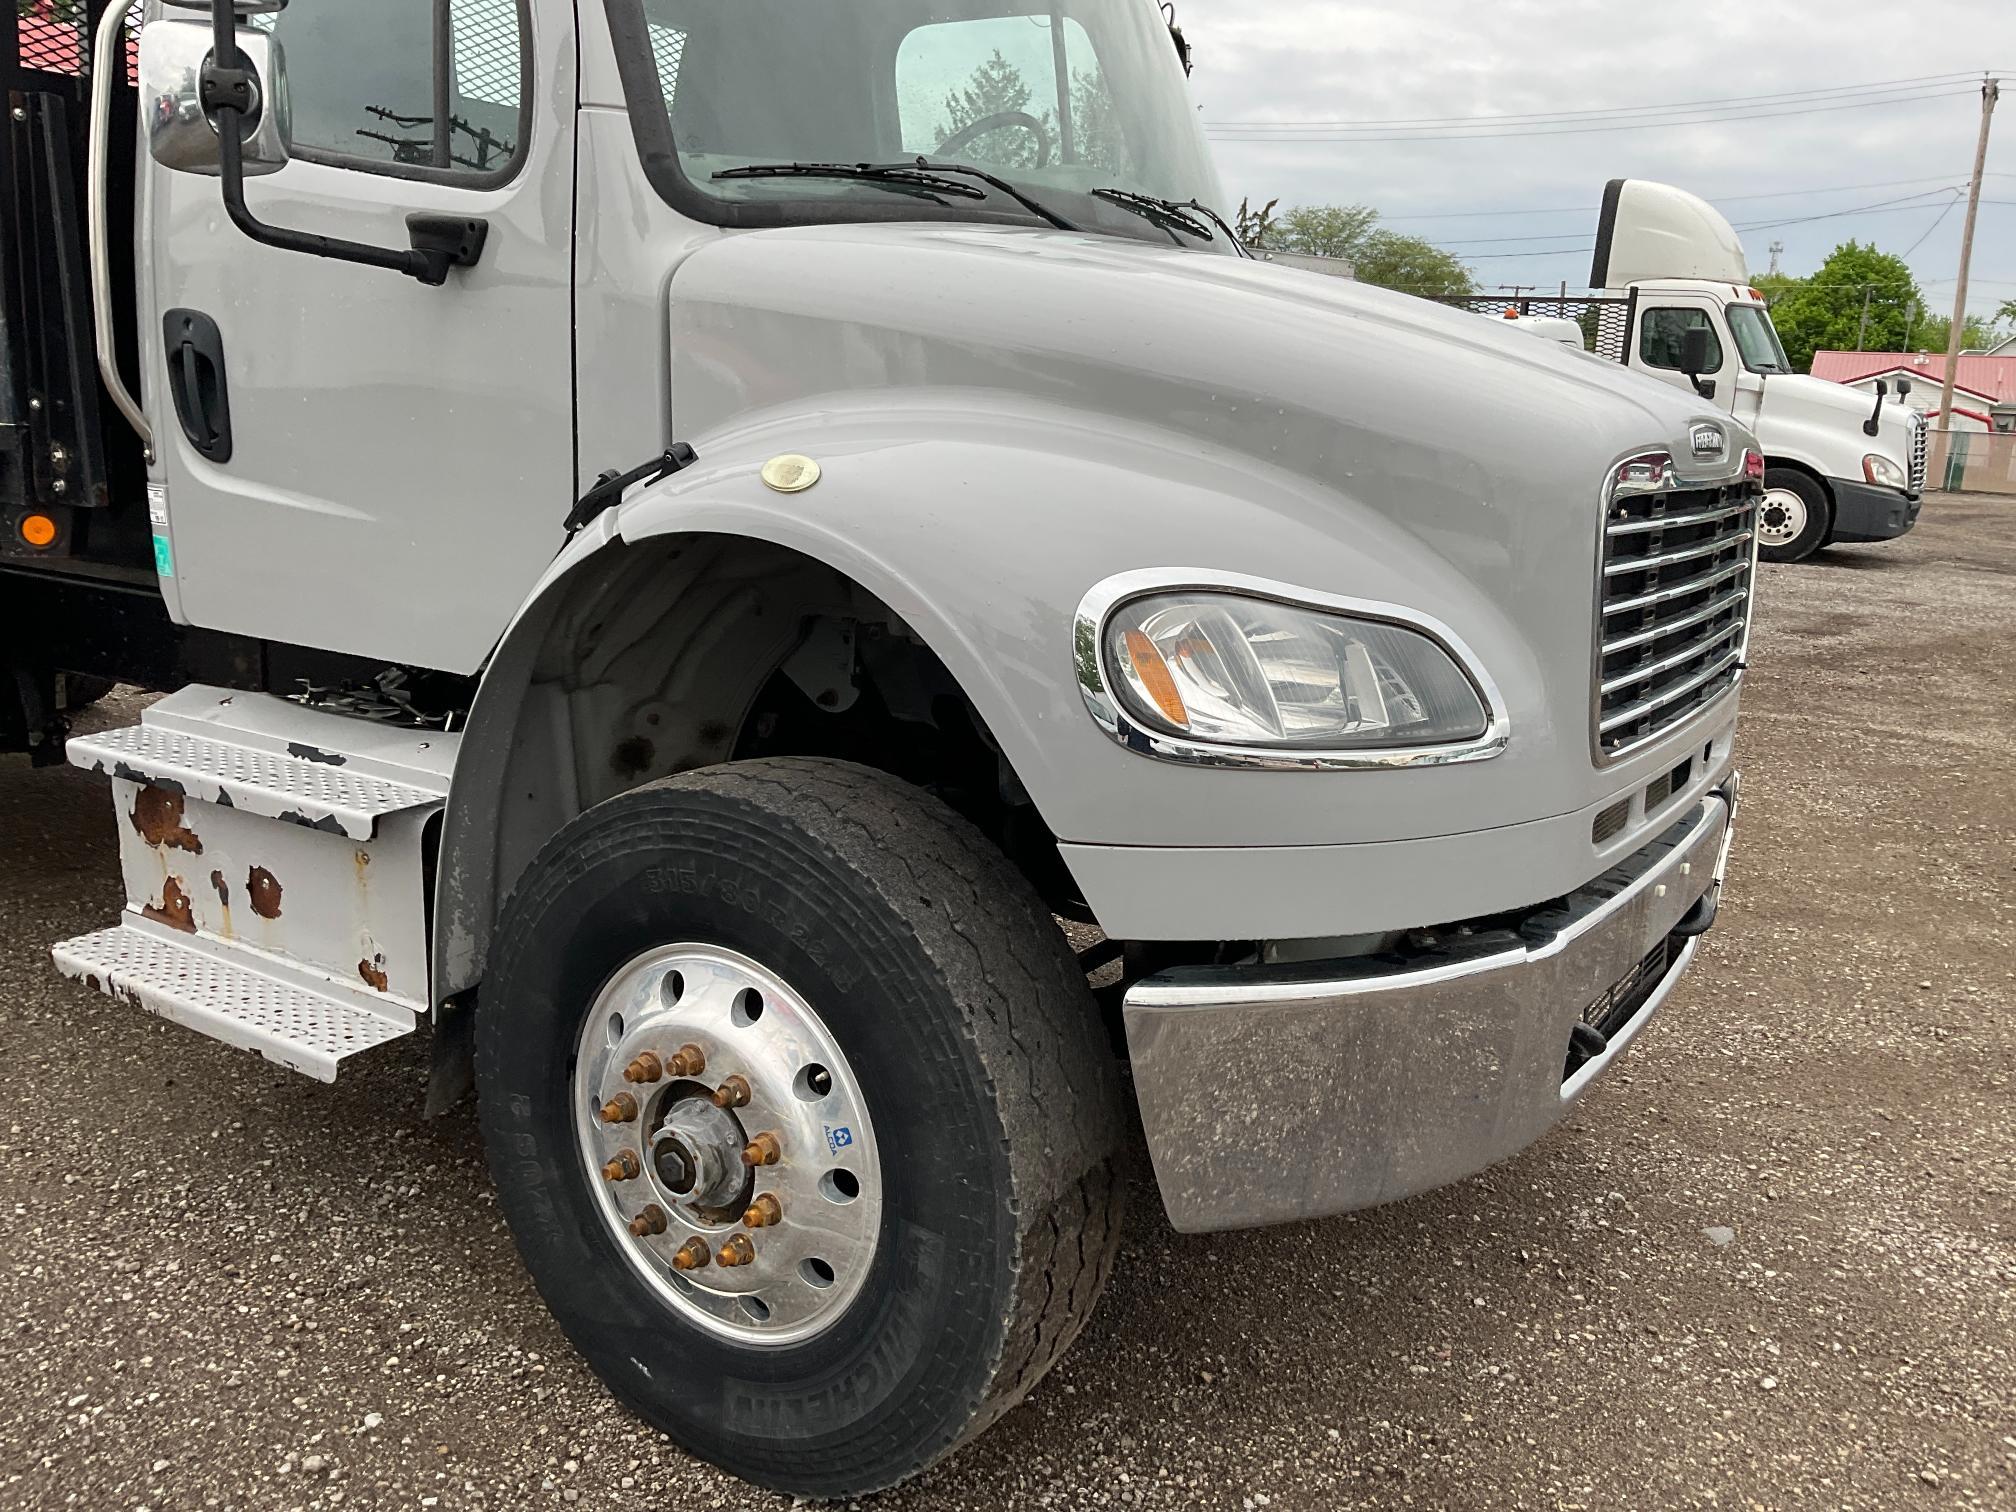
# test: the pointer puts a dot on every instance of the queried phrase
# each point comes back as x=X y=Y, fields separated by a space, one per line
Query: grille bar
x=1676 y=585
x=1921 y=447
x=1676 y=591
x=1640 y=675
x=1702 y=615
x=1674 y=521
x=1678 y=690
x=1674 y=558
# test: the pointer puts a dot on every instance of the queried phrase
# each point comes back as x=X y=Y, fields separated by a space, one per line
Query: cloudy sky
x=1412 y=60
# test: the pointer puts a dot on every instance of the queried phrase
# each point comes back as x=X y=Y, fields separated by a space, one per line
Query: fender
x=982 y=521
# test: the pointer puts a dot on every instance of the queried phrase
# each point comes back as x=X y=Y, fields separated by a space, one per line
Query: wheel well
x=683 y=652
x=1789 y=465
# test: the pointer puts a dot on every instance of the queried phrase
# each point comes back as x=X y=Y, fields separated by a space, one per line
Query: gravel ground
x=1772 y=1264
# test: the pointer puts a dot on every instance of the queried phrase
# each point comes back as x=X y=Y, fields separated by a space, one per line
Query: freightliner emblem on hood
x=1709 y=441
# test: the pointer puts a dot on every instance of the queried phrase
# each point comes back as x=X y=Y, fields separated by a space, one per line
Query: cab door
x=1656 y=350
x=400 y=457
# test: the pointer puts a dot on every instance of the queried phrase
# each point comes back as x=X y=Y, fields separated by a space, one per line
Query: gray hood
x=1237 y=416
x=1330 y=379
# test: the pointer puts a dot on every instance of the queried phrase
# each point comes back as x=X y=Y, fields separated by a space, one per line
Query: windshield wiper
x=1173 y=215
x=922 y=173
x=924 y=186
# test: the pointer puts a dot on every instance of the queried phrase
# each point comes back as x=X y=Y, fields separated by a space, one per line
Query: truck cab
x=772 y=580
x=1838 y=469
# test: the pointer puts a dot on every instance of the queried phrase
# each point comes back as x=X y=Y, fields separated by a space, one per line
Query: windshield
x=1757 y=339
x=1060 y=99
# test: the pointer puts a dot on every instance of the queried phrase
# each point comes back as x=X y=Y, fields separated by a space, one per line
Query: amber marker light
x=1155 y=679
x=39 y=531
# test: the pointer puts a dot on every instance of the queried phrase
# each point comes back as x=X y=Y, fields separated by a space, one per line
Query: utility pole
x=1991 y=91
x=1862 y=330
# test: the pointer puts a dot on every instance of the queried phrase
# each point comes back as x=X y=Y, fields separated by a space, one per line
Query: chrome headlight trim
x=1095 y=678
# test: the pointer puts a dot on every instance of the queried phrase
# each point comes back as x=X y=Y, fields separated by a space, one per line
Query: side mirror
x=180 y=135
x=1694 y=359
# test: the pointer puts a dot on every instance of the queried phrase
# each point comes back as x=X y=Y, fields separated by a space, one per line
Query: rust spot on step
x=223 y=888
x=373 y=972
x=264 y=890
x=174 y=909
x=157 y=818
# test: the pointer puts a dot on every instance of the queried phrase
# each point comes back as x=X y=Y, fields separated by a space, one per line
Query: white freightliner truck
x=1837 y=467
x=678 y=545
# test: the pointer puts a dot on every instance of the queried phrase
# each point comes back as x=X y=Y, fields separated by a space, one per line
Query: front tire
x=1796 y=517
x=910 y=967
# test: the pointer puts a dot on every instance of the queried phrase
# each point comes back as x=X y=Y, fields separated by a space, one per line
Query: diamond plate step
x=241 y=1001
x=276 y=759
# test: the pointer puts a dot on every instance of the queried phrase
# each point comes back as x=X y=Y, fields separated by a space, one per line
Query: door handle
x=194 y=348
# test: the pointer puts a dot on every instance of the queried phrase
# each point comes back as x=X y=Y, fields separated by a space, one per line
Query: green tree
x=1933 y=333
x=1826 y=311
x=1327 y=230
x=2007 y=312
x=1379 y=256
x=1412 y=265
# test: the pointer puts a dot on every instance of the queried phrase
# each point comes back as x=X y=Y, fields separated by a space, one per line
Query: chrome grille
x=1921 y=446
x=1678 y=565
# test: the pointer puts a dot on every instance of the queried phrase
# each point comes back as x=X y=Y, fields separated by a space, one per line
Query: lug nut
x=621 y=1108
x=763 y=1150
x=763 y=1212
x=737 y=1251
x=650 y=1221
x=692 y=1255
x=688 y=1062
x=624 y=1167
x=732 y=1093
x=646 y=1068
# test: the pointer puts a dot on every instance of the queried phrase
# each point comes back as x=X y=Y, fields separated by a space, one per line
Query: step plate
x=309 y=792
x=237 y=1003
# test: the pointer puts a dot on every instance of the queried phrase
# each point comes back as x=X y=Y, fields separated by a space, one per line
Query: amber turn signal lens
x=39 y=531
x=1155 y=678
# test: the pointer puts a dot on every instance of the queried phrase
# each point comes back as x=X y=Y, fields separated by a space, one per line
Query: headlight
x=1882 y=472
x=1220 y=668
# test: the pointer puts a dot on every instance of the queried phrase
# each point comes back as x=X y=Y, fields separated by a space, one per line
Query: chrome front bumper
x=1276 y=1093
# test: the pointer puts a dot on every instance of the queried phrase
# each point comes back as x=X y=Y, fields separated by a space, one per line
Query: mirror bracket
x=228 y=92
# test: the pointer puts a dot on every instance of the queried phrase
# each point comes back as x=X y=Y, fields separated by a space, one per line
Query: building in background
x=1984 y=388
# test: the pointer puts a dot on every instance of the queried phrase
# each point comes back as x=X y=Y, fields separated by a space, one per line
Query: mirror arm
x=227 y=94
x=1874 y=424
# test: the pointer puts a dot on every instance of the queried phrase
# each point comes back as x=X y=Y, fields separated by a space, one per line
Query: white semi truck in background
x=1837 y=469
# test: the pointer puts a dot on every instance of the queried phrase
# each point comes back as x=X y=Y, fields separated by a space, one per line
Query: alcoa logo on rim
x=1709 y=441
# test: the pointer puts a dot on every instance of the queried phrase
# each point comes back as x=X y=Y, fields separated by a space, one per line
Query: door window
x=1660 y=334
x=367 y=81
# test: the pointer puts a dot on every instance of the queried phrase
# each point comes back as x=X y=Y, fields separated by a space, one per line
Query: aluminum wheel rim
x=1782 y=518
x=807 y=1265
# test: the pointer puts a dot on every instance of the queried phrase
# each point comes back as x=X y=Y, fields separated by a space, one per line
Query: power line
x=1641 y=125
x=1514 y=118
x=1719 y=199
x=1880 y=207
x=1958 y=195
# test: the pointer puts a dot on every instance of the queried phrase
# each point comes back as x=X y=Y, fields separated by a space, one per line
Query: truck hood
x=1796 y=399
x=1077 y=407
x=1334 y=380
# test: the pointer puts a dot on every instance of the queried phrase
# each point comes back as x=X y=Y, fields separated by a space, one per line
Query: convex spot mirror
x=179 y=134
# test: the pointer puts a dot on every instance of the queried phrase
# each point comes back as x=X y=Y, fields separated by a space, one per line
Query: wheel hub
x=1782 y=518
x=729 y=1144
x=696 y=1154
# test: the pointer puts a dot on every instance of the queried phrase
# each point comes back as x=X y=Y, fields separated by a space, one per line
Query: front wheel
x=802 y=1117
x=1795 y=518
